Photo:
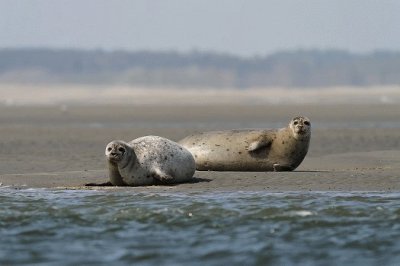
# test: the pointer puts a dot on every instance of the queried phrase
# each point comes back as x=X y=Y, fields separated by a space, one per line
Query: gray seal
x=148 y=160
x=251 y=149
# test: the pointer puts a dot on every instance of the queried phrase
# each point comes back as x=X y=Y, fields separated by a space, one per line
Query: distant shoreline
x=294 y=68
x=42 y=95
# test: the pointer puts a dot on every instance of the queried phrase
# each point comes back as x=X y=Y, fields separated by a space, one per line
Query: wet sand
x=353 y=147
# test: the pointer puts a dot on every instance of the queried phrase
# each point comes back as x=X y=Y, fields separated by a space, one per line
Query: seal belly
x=232 y=161
x=227 y=151
x=288 y=154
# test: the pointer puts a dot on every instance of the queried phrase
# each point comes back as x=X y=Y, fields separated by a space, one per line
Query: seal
x=251 y=149
x=148 y=160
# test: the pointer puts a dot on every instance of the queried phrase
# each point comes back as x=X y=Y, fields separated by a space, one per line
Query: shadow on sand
x=194 y=180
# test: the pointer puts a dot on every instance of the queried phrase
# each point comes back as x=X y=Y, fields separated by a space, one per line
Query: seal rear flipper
x=106 y=184
x=163 y=177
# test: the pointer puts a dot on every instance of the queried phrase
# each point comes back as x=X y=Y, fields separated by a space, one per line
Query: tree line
x=302 y=68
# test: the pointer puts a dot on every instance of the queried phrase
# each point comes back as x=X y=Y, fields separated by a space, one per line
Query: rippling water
x=50 y=227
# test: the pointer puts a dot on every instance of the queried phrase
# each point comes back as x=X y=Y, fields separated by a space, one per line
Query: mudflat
x=354 y=147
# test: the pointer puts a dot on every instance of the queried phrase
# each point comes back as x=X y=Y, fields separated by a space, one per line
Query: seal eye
x=121 y=149
x=295 y=123
x=306 y=123
x=109 y=149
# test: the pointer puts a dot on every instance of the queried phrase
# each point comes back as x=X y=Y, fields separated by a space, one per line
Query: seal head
x=118 y=154
x=115 y=151
x=301 y=127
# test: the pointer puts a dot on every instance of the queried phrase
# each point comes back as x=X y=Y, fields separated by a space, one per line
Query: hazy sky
x=244 y=27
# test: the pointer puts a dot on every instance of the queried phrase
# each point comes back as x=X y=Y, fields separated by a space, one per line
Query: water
x=50 y=227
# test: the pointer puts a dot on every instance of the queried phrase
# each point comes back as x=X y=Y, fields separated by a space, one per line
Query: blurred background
x=199 y=52
x=77 y=74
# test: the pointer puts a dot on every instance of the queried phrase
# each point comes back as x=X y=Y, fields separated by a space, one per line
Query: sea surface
x=78 y=227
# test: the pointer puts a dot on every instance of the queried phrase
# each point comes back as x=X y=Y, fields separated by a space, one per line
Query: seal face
x=148 y=160
x=301 y=127
x=116 y=151
x=251 y=149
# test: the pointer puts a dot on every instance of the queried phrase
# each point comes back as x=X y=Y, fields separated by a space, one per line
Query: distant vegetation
x=311 y=68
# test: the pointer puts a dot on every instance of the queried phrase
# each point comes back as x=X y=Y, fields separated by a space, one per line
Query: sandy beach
x=353 y=147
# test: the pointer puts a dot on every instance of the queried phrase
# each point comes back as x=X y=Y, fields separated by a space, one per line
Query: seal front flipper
x=282 y=168
x=163 y=177
x=258 y=144
x=114 y=175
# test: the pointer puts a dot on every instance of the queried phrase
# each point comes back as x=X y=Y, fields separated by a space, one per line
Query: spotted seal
x=251 y=149
x=148 y=160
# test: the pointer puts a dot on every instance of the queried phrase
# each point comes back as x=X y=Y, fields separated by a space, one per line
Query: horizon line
x=200 y=51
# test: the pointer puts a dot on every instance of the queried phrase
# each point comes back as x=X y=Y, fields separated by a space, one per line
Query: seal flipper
x=106 y=184
x=258 y=144
x=282 y=168
x=114 y=175
x=163 y=177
